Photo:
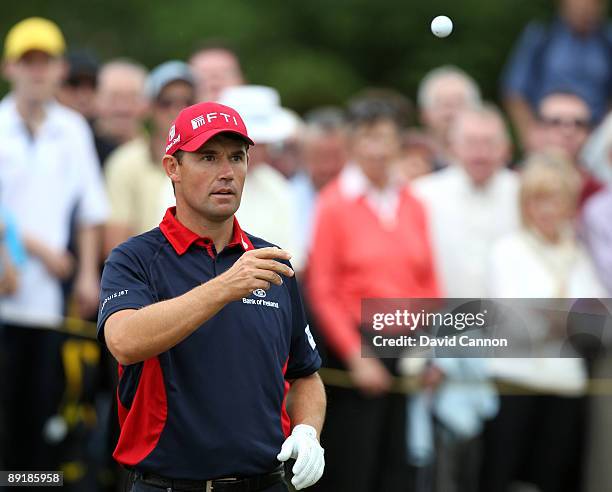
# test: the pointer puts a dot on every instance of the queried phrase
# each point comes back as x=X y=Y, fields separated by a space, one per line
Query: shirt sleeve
x=93 y=204
x=124 y=285
x=518 y=77
x=304 y=357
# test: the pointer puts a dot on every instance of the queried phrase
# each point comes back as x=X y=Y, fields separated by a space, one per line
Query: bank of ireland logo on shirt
x=261 y=302
x=197 y=122
x=259 y=293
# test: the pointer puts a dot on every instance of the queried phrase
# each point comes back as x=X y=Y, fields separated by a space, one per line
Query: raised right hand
x=255 y=269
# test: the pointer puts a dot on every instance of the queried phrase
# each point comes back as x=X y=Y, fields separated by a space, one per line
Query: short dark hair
x=178 y=155
x=373 y=105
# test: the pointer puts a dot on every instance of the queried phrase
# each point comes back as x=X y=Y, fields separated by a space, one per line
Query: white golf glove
x=302 y=444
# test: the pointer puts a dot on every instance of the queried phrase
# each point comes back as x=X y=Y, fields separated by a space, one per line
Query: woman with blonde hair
x=544 y=259
x=539 y=438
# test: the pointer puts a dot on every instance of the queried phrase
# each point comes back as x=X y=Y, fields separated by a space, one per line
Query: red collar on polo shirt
x=181 y=238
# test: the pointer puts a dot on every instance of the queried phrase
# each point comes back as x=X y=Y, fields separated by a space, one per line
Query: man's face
x=79 y=94
x=172 y=99
x=36 y=75
x=210 y=181
x=324 y=156
x=448 y=96
x=480 y=145
x=215 y=70
x=374 y=148
x=583 y=15
x=548 y=211
x=120 y=102
x=564 y=123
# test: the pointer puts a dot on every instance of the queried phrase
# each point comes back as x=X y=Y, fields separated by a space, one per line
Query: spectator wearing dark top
x=78 y=92
x=573 y=52
x=79 y=88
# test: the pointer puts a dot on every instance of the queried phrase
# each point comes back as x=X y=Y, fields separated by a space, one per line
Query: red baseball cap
x=197 y=124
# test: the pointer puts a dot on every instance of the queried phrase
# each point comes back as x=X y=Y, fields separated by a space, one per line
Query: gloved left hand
x=303 y=445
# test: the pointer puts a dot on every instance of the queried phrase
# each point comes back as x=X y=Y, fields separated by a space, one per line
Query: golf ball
x=441 y=26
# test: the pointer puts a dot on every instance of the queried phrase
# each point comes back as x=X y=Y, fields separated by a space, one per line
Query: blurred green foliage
x=314 y=51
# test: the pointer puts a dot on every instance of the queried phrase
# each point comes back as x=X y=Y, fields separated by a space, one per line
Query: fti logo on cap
x=202 y=119
x=196 y=124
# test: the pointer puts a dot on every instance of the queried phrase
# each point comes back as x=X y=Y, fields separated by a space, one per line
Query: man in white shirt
x=470 y=205
x=472 y=202
x=49 y=176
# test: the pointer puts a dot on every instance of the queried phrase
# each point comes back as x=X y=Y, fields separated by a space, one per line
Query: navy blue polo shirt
x=213 y=405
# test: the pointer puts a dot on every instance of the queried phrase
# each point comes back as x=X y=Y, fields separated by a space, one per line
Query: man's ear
x=172 y=168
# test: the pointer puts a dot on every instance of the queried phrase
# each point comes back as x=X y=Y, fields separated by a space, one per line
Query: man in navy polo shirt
x=207 y=325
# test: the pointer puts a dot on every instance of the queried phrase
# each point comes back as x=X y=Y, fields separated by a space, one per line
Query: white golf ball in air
x=441 y=26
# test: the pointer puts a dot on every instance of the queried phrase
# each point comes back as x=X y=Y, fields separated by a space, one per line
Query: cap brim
x=19 y=53
x=196 y=142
